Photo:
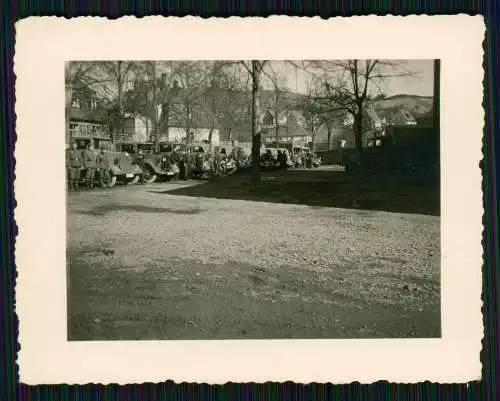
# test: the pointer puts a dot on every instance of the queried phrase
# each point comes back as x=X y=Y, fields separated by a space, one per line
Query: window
x=93 y=104
x=75 y=102
x=146 y=147
x=129 y=148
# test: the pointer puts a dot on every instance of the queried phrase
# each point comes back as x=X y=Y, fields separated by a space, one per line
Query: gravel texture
x=388 y=259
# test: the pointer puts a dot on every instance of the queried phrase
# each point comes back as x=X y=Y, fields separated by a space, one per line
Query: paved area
x=146 y=264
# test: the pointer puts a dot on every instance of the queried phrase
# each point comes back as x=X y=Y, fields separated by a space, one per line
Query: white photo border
x=44 y=44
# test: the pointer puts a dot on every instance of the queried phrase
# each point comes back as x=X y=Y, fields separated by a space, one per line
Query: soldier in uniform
x=210 y=159
x=218 y=161
x=74 y=165
x=198 y=163
x=102 y=165
x=89 y=162
x=187 y=165
x=140 y=162
x=239 y=157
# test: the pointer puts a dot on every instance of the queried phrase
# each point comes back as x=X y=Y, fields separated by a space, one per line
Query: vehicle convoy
x=203 y=165
x=122 y=167
x=316 y=160
x=398 y=148
x=158 y=162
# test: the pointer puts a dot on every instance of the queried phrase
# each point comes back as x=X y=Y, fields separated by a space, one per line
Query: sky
x=420 y=84
x=296 y=80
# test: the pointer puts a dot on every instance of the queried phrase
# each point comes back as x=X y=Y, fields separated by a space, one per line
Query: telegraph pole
x=437 y=95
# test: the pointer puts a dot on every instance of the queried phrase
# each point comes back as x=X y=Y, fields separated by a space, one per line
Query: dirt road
x=145 y=264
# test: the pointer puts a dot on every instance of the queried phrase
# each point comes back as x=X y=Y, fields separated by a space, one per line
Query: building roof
x=86 y=115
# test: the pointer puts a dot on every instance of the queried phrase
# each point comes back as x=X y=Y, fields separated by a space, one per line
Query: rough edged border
x=427 y=390
x=45 y=19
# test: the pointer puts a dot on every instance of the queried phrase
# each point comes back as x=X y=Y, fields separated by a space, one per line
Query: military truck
x=122 y=167
x=405 y=149
x=155 y=160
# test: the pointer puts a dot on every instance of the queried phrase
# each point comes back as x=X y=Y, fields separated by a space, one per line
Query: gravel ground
x=363 y=273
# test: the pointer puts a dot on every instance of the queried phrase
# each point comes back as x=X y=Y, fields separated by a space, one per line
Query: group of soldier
x=193 y=163
x=95 y=165
x=302 y=159
x=91 y=167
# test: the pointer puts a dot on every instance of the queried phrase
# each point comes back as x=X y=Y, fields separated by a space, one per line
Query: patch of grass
x=386 y=192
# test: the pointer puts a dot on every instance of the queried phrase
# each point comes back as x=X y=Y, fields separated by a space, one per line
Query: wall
x=331 y=157
x=200 y=134
x=142 y=129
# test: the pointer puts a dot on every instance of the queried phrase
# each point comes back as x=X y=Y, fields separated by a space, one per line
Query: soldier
x=189 y=162
x=217 y=161
x=210 y=159
x=89 y=162
x=199 y=163
x=102 y=164
x=140 y=162
x=74 y=166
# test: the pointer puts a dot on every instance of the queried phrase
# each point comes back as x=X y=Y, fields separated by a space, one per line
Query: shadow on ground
x=104 y=209
x=187 y=300
x=395 y=192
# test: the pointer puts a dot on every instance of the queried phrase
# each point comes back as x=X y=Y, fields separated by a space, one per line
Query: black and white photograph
x=277 y=199
x=255 y=199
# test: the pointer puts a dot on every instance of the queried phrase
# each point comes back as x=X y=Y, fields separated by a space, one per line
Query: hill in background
x=420 y=107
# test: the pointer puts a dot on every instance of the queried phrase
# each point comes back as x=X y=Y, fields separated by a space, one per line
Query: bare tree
x=255 y=68
x=214 y=76
x=190 y=76
x=153 y=95
x=108 y=79
x=348 y=85
x=313 y=113
x=75 y=72
x=277 y=104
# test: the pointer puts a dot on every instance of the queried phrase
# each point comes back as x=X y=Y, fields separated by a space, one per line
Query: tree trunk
x=313 y=140
x=358 y=128
x=166 y=119
x=276 y=128
x=69 y=101
x=214 y=111
x=188 y=124
x=329 y=128
x=256 y=130
x=154 y=105
x=210 y=134
x=119 y=99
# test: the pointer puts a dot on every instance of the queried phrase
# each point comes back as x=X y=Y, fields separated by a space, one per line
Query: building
x=135 y=129
x=86 y=122
x=371 y=119
x=289 y=128
x=401 y=117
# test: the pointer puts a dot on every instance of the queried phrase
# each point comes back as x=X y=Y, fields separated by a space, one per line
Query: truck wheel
x=112 y=181
x=149 y=175
x=134 y=180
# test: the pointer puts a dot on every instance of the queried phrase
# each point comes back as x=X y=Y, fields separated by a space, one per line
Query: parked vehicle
x=200 y=151
x=156 y=161
x=123 y=168
x=316 y=160
x=269 y=158
x=399 y=148
x=288 y=157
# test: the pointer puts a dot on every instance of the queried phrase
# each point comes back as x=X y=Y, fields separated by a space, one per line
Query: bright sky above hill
x=420 y=84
